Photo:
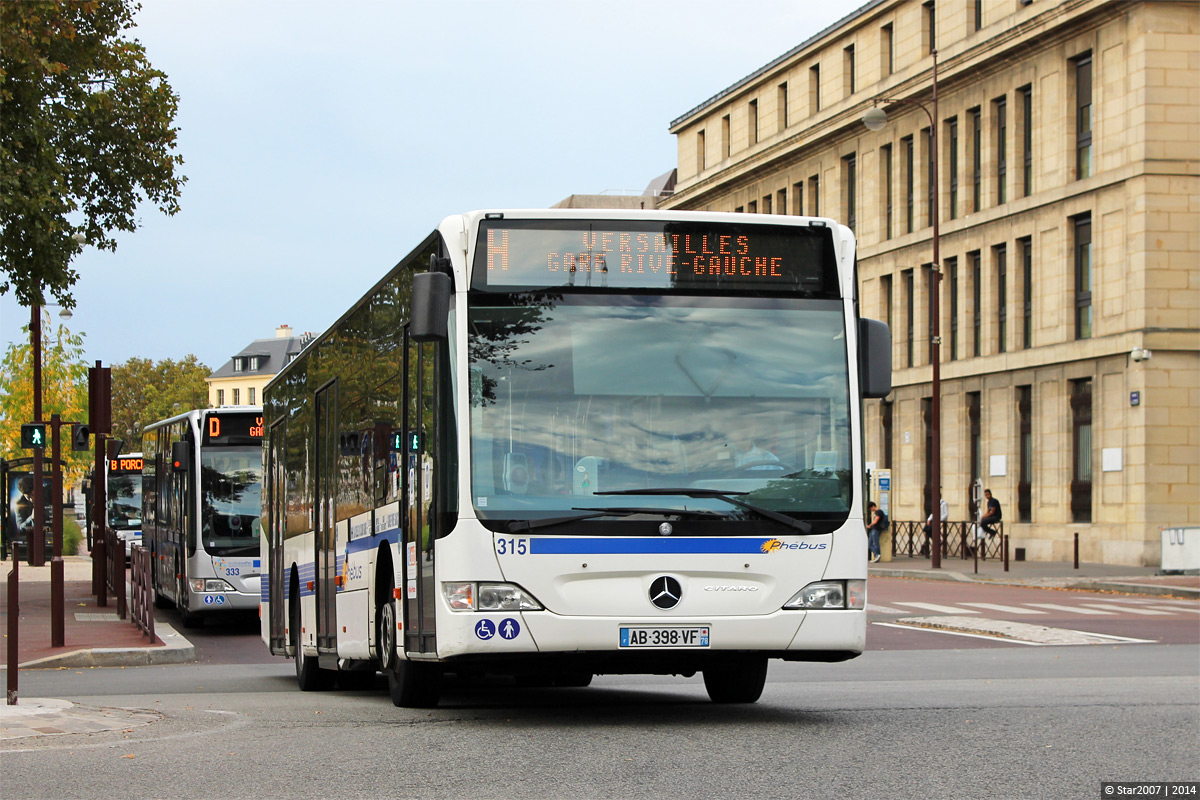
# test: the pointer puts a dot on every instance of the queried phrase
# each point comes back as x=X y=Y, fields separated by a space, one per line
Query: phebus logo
x=774 y=546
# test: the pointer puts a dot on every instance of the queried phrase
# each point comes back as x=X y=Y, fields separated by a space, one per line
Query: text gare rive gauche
x=634 y=253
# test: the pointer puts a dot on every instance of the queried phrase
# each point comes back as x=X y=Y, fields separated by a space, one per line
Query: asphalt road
x=948 y=717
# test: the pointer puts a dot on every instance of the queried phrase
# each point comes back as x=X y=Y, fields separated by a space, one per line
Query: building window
x=798 y=198
x=814 y=88
x=885 y=286
x=1025 y=246
x=952 y=273
x=906 y=145
x=700 y=152
x=909 y=307
x=782 y=106
x=1025 y=454
x=976 y=159
x=1000 y=106
x=931 y=189
x=220 y=397
x=781 y=201
x=725 y=143
x=973 y=261
x=1000 y=255
x=752 y=122
x=766 y=204
x=250 y=395
x=887 y=49
x=1083 y=276
x=237 y=397
x=238 y=365
x=849 y=175
x=952 y=139
x=848 y=67
x=885 y=166
x=1083 y=116
x=978 y=15
x=253 y=363
x=752 y=207
x=885 y=421
x=930 y=287
x=929 y=29
x=814 y=196
x=1081 y=444
x=1026 y=94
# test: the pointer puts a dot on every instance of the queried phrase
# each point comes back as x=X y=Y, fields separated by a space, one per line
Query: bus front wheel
x=739 y=681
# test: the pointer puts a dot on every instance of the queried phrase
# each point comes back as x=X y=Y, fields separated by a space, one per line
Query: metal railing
x=141 y=604
x=959 y=540
x=114 y=570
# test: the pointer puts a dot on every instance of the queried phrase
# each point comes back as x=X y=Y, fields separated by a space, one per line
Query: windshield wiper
x=617 y=511
x=798 y=524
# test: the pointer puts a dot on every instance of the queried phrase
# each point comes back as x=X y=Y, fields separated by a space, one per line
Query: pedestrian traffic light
x=79 y=437
x=33 y=435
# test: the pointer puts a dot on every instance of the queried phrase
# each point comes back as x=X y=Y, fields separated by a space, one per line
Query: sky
x=322 y=141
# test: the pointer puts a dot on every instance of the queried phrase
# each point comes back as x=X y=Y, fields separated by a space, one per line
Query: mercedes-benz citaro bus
x=123 y=490
x=561 y=443
x=201 y=499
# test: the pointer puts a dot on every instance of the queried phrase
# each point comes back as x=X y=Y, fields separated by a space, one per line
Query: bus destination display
x=233 y=429
x=636 y=255
x=124 y=464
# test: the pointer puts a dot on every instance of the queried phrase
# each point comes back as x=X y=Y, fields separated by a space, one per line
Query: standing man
x=993 y=513
x=878 y=524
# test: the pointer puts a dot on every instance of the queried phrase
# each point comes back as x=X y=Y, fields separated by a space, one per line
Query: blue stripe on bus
x=583 y=546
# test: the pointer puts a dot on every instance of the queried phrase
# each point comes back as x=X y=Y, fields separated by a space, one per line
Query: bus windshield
x=125 y=502
x=577 y=395
x=230 y=482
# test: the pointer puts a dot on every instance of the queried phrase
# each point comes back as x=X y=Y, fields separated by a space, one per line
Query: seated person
x=756 y=457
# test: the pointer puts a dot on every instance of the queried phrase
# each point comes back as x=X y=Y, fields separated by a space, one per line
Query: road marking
x=876 y=609
x=1005 y=609
x=1130 y=610
x=1177 y=608
x=1010 y=631
x=935 y=607
x=1072 y=609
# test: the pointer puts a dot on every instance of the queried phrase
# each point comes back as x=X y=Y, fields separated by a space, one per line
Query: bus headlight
x=830 y=594
x=209 y=585
x=488 y=597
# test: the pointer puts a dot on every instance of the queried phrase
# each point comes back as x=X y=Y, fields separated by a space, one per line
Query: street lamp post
x=874 y=119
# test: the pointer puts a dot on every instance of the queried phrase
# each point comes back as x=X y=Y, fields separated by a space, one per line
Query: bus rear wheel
x=309 y=675
x=739 y=681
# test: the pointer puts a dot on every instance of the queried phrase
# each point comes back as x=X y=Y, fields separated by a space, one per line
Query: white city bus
x=554 y=444
x=201 y=498
x=123 y=491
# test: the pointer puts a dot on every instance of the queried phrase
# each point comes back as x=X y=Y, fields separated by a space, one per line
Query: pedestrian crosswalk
x=1089 y=606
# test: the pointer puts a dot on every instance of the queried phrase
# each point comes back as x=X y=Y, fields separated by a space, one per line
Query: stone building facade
x=1068 y=191
x=240 y=380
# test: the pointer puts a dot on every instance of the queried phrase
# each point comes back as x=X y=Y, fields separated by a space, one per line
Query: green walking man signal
x=33 y=435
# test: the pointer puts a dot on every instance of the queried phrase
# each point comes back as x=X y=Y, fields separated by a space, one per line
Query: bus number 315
x=512 y=547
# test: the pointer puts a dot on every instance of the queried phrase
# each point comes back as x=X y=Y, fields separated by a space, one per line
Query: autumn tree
x=64 y=392
x=145 y=391
x=86 y=134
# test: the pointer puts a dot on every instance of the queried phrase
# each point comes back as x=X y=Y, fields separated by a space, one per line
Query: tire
x=309 y=675
x=740 y=681
x=413 y=684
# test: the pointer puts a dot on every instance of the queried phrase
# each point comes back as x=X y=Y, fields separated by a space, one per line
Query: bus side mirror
x=875 y=358
x=430 y=307
x=181 y=456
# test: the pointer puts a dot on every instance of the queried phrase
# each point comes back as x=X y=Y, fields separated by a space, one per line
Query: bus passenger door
x=419 y=532
x=325 y=500
x=276 y=492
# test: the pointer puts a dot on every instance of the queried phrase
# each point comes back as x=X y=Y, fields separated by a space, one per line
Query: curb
x=175 y=650
x=1081 y=584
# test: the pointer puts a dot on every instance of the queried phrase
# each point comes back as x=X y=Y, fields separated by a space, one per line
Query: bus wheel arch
x=386 y=615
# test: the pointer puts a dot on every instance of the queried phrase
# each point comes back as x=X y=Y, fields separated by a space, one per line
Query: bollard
x=1005 y=535
x=1076 y=549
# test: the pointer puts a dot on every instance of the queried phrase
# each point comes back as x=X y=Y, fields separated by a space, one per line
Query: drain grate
x=88 y=617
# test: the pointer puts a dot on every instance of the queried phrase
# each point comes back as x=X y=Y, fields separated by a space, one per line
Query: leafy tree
x=64 y=392
x=86 y=134
x=145 y=391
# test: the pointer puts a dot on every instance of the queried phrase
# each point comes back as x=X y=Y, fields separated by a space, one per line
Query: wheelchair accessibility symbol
x=485 y=629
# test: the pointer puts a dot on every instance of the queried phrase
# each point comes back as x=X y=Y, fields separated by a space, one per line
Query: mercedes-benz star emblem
x=665 y=592
x=665 y=529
